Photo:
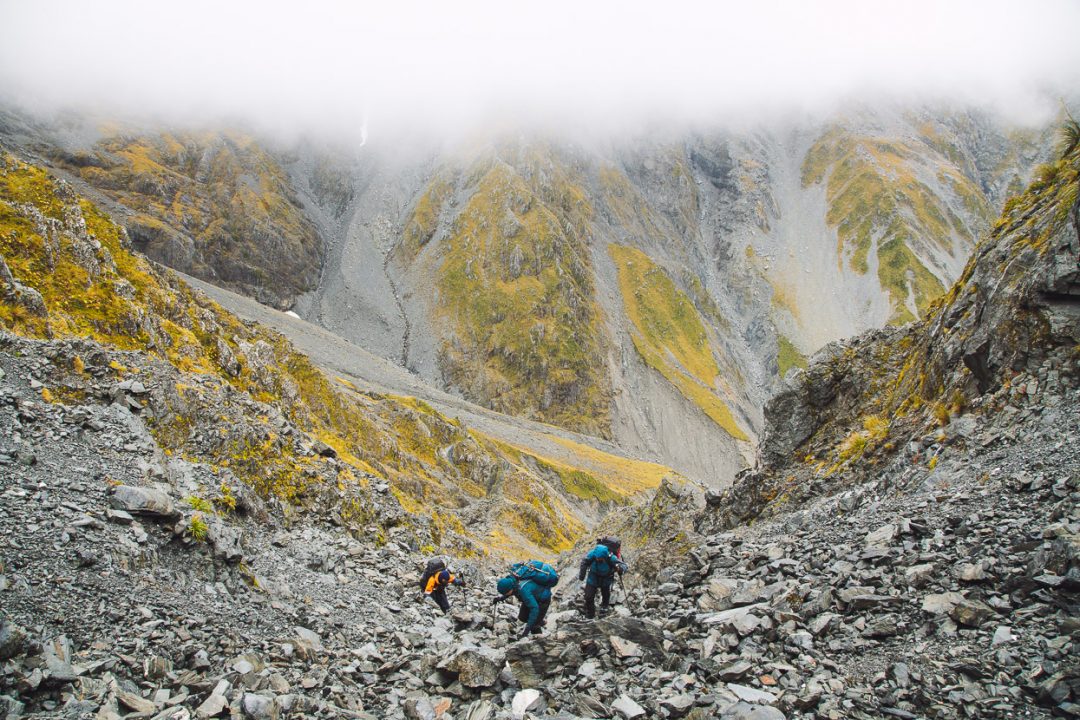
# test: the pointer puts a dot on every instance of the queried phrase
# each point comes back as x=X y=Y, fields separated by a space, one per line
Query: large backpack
x=434 y=565
x=611 y=543
x=539 y=572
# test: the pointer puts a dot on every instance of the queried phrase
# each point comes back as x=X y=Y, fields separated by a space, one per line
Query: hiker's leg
x=441 y=600
x=605 y=594
x=590 y=601
x=539 y=627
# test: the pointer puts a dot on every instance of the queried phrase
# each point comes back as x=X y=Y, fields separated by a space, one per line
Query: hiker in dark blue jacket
x=535 y=600
x=598 y=570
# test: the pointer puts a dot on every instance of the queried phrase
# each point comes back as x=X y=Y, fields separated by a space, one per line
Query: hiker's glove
x=623 y=567
x=459 y=581
x=499 y=599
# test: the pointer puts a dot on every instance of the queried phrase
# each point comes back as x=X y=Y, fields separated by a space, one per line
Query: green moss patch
x=789 y=356
x=669 y=333
x=875 y=198
x=515 y=284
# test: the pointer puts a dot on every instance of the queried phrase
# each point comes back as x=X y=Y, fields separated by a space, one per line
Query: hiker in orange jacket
x=436 y=588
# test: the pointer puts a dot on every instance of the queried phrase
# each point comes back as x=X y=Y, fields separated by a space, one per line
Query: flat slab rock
x=882 y=536
x=941 y=603
x=751 y=695
x=728 y=617
x=624 y=648
x=142 y=501
x=627 y=708
x=746 y=711
x=677 y=706
x=525 y=701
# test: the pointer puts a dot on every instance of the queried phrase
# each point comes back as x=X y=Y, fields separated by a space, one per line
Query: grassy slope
x=670 y=335
x=515 y=286
x=223 y=191
x=788 y=356
x=113 y=296
x=875 y=196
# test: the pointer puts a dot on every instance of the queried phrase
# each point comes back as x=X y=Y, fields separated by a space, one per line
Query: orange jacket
x=434 y=584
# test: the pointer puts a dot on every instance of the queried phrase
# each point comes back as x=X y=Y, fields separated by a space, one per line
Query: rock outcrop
x=1002 y=340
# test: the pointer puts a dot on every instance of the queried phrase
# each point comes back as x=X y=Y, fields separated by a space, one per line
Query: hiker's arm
x=583 y=569
x=430 y=585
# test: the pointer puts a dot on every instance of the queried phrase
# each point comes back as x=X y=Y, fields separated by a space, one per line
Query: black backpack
x=611 y=543
x=434 y=565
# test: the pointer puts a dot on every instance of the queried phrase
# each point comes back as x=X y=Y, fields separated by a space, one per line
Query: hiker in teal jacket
x=598 y=570
x=535 y=601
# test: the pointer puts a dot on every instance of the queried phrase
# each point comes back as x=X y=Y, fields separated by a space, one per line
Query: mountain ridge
x=732 y=220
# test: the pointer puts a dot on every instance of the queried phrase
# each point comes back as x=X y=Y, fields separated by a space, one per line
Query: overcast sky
x=448 y=65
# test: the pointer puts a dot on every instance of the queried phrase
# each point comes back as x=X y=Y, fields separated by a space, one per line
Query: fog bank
x=437 y=67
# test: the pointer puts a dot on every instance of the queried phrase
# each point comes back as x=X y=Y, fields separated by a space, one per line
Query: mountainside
x=650 y=292
x=237 y=405
x=1007 y=329
x=216 y=205
x=502 y=256
x=907 y=544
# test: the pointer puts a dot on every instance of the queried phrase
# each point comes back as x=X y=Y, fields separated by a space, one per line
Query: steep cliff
x=1001 y=343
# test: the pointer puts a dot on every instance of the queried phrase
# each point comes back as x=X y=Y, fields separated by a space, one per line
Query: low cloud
x=448 y=67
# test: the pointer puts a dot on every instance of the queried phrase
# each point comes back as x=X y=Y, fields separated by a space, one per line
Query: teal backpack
x=539 y=572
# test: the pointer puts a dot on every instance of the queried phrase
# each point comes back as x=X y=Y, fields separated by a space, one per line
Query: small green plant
x=198 y=503
x=249 y=576
x=226 y=500
x=1068 y=137
x=197 y=528
x=941 y=414
x=877 y=427
x=853 y=446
